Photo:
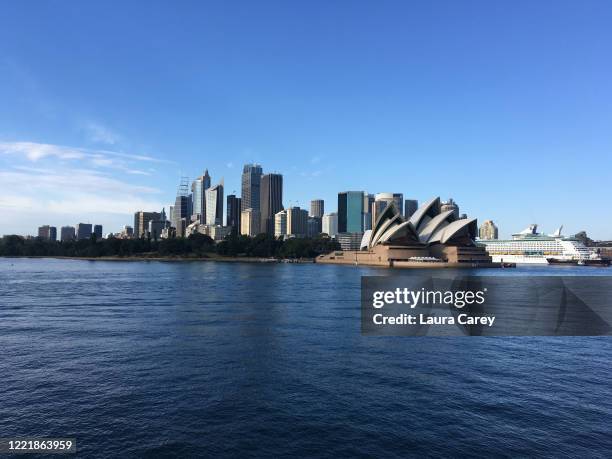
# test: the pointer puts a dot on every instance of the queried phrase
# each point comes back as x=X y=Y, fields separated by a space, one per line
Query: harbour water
x=170 y=359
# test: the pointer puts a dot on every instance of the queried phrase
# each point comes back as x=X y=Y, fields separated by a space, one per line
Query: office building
x=313 y=226
x=410 y=207
x=350 y=212
x=67 y=233
x=398 y=199
x=251 y=186
x=250 y=222
x=297 y=220
x=330 y=224
x=280 y=224
x=83 y=231
x=450 y=205
x=381 y=201
x=368 y=206
x=488 y=231
x=317 y=208
x=141 y=222
x=127 y=232
x=97 y=230
x=198 y=190
x=182 y=208
x=233 y=213
x=214 y=205
x=49 y=233
x=271 y=200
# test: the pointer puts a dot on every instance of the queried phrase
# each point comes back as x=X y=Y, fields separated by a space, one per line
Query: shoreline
x=172 y=259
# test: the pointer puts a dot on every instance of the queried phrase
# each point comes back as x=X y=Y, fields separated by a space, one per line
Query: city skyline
x=514 y=127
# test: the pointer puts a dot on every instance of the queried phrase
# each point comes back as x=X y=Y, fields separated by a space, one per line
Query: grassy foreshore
x=195 y=247
x=171 y=258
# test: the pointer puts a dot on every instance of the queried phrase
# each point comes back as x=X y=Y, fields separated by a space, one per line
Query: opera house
x=429 y=238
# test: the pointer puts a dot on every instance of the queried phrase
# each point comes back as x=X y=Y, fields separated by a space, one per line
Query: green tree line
x=196 y=246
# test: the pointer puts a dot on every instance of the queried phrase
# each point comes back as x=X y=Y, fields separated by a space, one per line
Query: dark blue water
x=194 y=359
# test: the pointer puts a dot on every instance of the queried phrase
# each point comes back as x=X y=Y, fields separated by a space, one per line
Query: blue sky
x=505 y=106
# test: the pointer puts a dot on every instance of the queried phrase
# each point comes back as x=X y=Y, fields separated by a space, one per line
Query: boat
x=595 y=260
x=531 y=247
x=562 y=261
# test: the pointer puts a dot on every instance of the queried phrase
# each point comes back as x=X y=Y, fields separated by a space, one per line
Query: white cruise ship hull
x=520 y=260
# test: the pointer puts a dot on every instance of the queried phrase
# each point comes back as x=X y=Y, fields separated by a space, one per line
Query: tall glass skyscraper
x=350 y=212
x=214 y=205
x=198 y=190
x=251 y=186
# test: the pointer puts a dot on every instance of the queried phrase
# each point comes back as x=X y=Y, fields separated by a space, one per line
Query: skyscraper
x=214 y=205
x=97 y=230
x=198 y=190
x=350 y=212
x=368 y=209
x=83 y=230
x=488 y=230
x=317 y=208
x=330 y=224
x=141 y=222
x=381 y=201
x=47 y=232
x=280 y=224
x=67 y=233
x=251 y=186
x=271 y=201
x=410 y=207
x=233 y=213
x=297 y=220
x=182 y=209
x=398 y=199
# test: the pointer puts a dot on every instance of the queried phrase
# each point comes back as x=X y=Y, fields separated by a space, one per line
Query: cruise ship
x=529 y=246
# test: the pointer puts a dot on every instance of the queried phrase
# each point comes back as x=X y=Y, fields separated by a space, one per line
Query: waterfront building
x=250 y=222
x=97 y=230
x=271 y=200
x=251 y=186
x=297 y=220
x=198 y=190
x=330 y=224
x=214 y=205
x=450 y=205
x=280 y=224
x=67 y=233
x=488 y=230
x=83 y=231
x=429 y=238
x=317 y=208
x=349 y=241
x=410 y=207
x=233 y=213
x=141 y=222
x=48 y=233
x=350 y=211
